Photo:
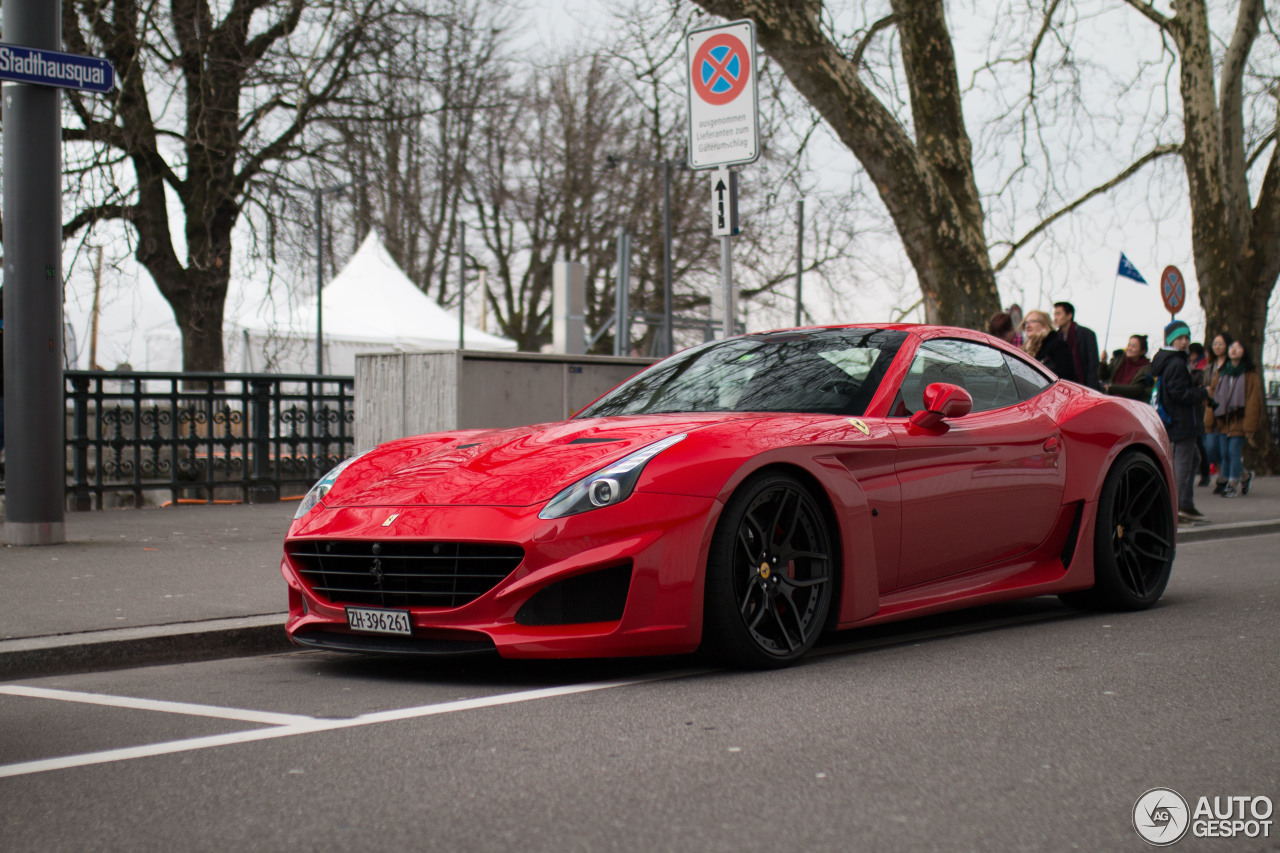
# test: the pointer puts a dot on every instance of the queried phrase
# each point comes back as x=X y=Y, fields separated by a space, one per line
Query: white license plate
x=371 y=620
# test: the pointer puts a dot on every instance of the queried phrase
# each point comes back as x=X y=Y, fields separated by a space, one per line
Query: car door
x=982 y=489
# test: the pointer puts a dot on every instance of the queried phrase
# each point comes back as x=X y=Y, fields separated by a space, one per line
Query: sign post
x=724 y=128
x=35 y=462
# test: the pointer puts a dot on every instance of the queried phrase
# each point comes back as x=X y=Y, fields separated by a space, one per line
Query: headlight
x=320 y=489
x=607 y=486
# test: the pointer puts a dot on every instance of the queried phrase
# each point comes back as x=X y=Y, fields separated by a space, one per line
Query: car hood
x=512 y=467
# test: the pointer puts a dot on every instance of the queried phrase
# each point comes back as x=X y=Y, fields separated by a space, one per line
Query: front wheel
x=770 y=575
x=1133 y=543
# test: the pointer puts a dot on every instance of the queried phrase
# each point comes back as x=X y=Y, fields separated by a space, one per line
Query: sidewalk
x=141 y=586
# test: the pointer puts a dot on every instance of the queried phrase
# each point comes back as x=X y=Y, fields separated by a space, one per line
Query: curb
x=1228 y=530
x=186 y=642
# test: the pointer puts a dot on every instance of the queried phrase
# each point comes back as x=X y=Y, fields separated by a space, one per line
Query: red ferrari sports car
x=742 y=497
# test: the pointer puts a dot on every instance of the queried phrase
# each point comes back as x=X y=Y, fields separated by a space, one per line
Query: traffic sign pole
x=727 y=329
x=35 y=466
x=724 y=130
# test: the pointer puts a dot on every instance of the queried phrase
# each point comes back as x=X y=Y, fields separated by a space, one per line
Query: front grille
x=401 y=573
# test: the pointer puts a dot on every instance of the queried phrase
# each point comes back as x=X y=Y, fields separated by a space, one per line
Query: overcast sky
x=1085 y=274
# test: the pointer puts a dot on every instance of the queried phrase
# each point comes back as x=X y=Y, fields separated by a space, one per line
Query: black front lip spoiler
x=373 y=644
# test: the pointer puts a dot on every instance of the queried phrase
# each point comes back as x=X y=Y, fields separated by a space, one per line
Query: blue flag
x=1128 y=270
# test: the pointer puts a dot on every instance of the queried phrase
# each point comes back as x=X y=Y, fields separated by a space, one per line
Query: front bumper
x=663 y=539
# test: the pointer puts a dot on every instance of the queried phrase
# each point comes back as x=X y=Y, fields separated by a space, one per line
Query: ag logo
x=1161 y=816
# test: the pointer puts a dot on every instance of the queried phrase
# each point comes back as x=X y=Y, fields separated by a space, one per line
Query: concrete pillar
x=569 y=307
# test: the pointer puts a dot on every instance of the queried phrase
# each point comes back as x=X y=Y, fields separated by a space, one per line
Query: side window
x=979 y=369
x=1026 y=378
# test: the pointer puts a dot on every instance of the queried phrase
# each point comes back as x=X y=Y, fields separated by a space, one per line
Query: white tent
x=371 y=306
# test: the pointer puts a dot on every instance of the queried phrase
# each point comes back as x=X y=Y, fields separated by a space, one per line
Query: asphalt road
x=1019 y=727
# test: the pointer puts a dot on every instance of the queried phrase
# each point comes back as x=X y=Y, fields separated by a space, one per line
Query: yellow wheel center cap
x=764 y=570
x=1119 y=531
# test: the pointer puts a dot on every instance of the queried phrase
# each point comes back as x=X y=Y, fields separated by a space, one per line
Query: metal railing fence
x=206 y=436
x=202 y=436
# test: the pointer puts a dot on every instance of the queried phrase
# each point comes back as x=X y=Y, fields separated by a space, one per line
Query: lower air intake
x=598 y=596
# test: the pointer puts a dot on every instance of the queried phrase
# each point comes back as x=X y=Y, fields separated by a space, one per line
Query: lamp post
x=319 y=194
x=612 y=160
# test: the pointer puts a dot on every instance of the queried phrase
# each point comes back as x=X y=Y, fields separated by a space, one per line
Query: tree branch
x=883 y=24
x=1149 y=12
x=1152 y=155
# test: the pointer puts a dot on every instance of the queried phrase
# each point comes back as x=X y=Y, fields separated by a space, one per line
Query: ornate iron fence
x=254 y=437
x=202 y=436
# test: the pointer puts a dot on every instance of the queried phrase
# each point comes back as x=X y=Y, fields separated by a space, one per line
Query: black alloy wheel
x=770 y=575
x=1135 y=538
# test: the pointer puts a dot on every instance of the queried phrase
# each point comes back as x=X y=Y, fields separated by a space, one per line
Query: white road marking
x=310 y=725
x=265 y=717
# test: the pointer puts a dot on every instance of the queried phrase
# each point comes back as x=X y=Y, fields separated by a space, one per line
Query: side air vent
x=1073 y=536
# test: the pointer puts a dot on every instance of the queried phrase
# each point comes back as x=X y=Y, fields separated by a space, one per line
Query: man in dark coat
x=1180 y=397
x=1082 y=341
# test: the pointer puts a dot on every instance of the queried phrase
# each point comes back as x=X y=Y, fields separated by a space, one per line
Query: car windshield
x=825 y=371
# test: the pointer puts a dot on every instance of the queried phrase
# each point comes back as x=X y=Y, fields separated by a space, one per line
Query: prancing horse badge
x=862 y=428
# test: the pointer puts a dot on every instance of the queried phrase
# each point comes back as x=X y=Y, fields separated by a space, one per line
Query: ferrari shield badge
x=391 y=519
x=861 y=427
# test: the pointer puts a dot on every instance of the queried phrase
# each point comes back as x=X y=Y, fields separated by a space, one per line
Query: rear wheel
x=770 y=575
x=1133 y=543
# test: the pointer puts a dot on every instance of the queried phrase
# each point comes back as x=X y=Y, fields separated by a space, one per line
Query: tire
x=771 y=575
x=1134 y=538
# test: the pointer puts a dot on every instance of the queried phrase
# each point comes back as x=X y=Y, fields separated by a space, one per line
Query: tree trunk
x=199 y=315
x=1236 y=249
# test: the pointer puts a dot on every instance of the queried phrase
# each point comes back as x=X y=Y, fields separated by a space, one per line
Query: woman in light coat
x=1233 y=414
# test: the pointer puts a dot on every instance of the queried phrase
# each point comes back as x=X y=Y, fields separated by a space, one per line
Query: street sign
x=51 y=68
x=724 y=110
x=724 y=203
x=1173 y=289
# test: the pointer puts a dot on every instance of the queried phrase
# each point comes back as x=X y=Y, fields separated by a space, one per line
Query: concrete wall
x=399 y=394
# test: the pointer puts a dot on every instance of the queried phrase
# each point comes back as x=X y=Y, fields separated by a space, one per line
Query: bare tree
x=207 y=111
x=923 y=173
x=1235 y=228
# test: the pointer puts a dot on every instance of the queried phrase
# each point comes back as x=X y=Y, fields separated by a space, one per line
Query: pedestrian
x=1001 y=326
x=1082 y=342
x=1015 y=314
x=1233 y=416
x=1198 y=362
x=1216 y=357
x=1214 y=360
x=1042 y=343
x=1129 y=375
x=1176 y=398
